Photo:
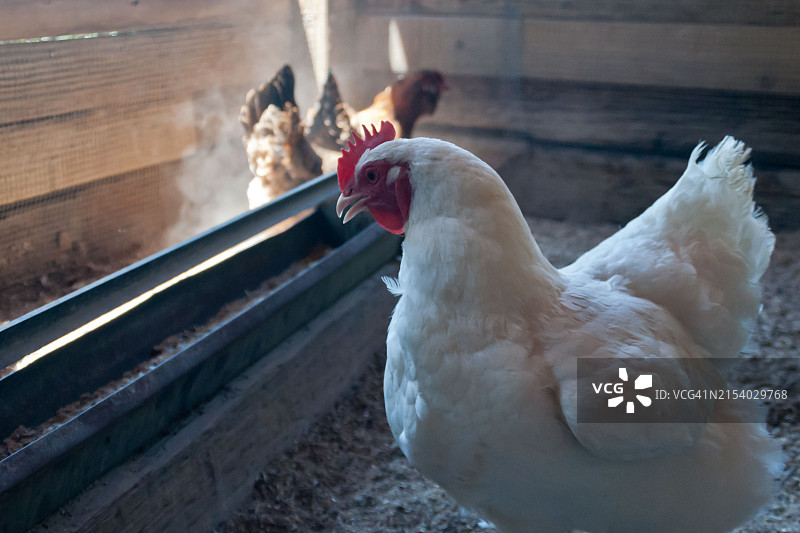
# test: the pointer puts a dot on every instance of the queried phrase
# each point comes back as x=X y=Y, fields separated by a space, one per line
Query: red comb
x=354 y=150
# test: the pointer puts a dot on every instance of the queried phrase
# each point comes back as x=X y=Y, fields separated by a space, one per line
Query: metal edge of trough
x=204 y=468
x=54 y=320
x=37 y=479
x=31 y=395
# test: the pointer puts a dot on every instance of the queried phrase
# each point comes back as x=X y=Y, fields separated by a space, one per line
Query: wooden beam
x=724 y=57
x=30 y=19
x=649 y=120
x=732 y=58
x=456 y=45
x=314 y=14
x=61 y=152
x=742 y=12
x=51 y=79
x=575 y=183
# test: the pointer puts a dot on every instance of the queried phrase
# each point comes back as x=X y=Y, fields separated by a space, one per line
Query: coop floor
x=347 y=474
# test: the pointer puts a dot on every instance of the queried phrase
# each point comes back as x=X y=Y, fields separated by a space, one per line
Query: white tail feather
x=699 y=251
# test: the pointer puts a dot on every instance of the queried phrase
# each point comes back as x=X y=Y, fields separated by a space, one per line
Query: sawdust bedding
x=347 y=474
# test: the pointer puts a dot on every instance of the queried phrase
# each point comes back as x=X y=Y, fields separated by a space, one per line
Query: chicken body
x=402 y=103
x=279 y=155
x=480 y=379
x=284 y=151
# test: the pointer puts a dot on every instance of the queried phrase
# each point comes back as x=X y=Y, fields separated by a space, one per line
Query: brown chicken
x=283 y=152
x=403 y=102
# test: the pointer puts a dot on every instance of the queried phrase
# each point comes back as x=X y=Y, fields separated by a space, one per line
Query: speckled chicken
x=284 y=151
x=279 y=155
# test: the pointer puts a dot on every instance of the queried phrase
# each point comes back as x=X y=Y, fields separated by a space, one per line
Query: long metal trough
x=40 y=477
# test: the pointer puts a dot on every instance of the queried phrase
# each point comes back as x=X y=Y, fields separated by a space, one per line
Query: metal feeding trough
x=38 y=478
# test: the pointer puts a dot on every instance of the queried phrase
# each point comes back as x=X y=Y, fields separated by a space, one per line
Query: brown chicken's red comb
x=354 y=151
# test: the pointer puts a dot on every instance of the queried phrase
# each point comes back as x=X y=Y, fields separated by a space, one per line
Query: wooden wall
x=590 y=109
x=101 y=133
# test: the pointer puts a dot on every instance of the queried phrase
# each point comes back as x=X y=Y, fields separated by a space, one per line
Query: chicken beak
x=358 y=203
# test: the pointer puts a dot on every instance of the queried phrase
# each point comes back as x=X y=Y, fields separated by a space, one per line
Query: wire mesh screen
x=119 y=133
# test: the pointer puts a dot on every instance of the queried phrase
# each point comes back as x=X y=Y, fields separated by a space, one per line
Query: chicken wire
x=46 y=216
x=115 y=145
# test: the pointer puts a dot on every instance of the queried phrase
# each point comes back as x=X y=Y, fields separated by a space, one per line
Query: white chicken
x=480 y=382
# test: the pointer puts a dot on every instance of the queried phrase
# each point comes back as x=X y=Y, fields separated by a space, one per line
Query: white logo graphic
x=644 y=381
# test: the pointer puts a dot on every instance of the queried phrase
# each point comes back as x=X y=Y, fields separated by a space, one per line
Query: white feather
x=392 y=285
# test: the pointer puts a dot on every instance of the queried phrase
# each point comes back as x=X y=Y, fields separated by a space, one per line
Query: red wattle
x=393 y=216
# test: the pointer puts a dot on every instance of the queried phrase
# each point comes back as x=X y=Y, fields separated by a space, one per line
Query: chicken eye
x=372 y=177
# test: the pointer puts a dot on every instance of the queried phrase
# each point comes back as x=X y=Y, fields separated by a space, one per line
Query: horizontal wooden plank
x=52 y=154
x=48 y=155
x=456 y=45
x=617 y=117
x=732 y=58
x=47 y=79
x=574 y=183
x=742 y=12
x=736 y=58
x=29 y=19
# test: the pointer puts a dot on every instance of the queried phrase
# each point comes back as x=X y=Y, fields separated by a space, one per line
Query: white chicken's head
x=418 y=179
x=379 y=186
